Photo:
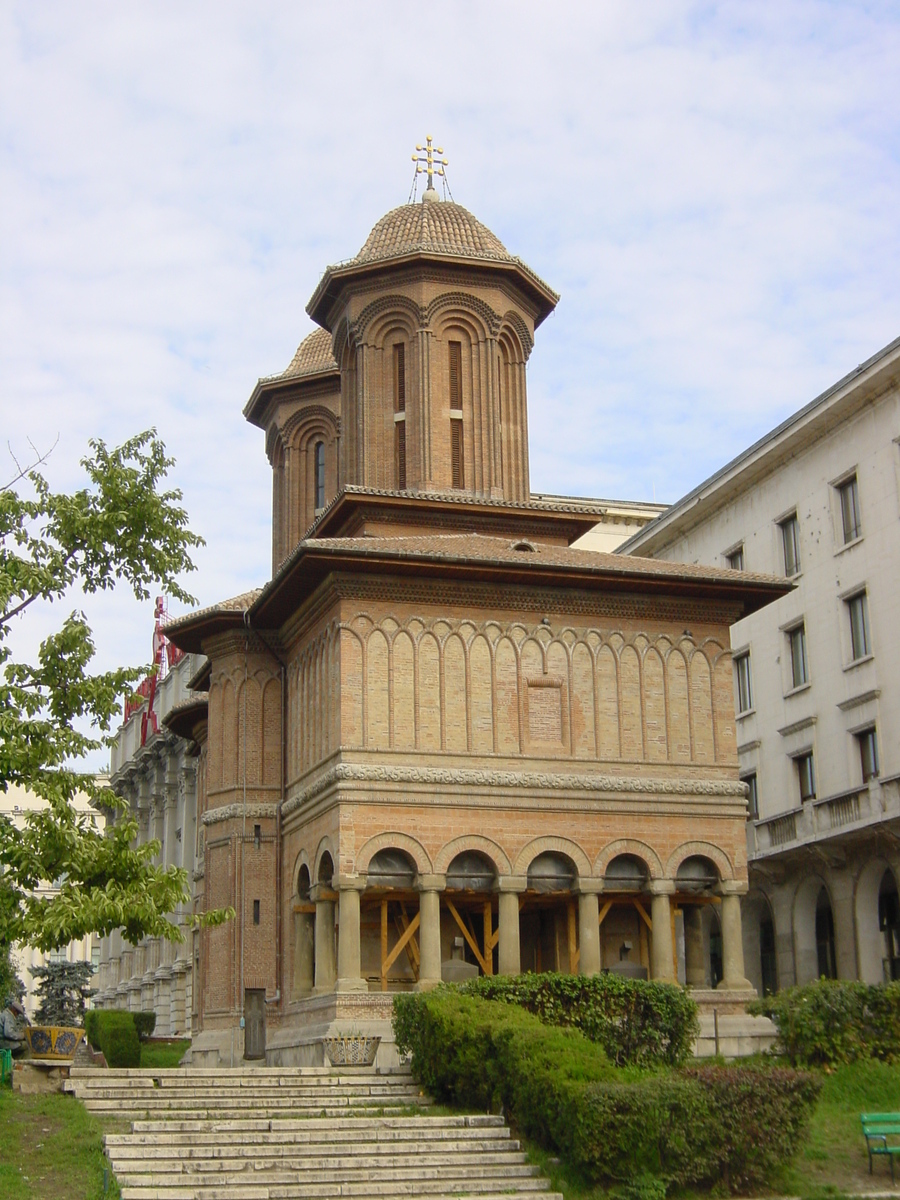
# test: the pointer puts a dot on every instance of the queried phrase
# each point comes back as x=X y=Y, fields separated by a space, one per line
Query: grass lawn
x=51 y=1148
x=162 y=1053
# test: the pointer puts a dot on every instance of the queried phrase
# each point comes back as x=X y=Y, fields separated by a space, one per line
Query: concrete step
x=336 y=1126
x=277 y=1192
x=163 y=1164
x=191 y=1149
x=440 y=1190
x=310 y=1173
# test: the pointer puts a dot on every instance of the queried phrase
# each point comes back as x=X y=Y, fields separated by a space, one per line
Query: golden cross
x=428 y=160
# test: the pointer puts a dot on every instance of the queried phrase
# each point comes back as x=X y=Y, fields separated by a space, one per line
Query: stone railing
x=861 y=806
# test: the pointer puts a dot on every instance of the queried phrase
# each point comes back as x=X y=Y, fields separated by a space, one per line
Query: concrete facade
x=442 y=740
x=816 y=681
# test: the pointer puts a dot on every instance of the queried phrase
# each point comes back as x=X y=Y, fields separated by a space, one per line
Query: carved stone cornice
x=519 y=780
x=228 y=812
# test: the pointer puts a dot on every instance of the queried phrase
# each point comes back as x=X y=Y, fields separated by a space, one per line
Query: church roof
x=313 y=355
x=438 y=227
x=432 y=229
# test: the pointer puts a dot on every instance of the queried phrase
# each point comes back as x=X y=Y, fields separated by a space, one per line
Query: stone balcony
x=856 y=810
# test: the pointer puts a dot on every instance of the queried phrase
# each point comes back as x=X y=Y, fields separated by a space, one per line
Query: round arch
x=473 y=841
x=803 y=920
x=394 y=841
x=704 y=850
x=301 y=861
x=324 y=847
x=871 y=946
x=639 y=849
x=557 y=845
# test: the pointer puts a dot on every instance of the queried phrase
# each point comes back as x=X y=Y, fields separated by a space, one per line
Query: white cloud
x=713 y=188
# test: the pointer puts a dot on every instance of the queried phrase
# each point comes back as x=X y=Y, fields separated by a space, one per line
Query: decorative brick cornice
x=519 y=780
x=229 y=812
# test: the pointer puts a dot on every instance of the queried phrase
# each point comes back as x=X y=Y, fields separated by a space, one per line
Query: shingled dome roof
x=313 y=355
x=436 y=228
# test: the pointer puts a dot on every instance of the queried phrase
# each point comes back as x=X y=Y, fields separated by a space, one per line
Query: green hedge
x=834 y=1021
x=724 y=1126
x=113 y=1031
x=636 y=1023
x=144 y=1023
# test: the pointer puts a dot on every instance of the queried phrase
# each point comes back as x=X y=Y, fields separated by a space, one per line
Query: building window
x=858 y=610
x=790 y=540
x=799 y=663
x=255 y=912
x=400 y=412
x=744 y=686
x=735 y=559
x=320 y=475
x=752 y=797
x=456 y=425
x=851 y=525
x=806 y=773
x=868 y=753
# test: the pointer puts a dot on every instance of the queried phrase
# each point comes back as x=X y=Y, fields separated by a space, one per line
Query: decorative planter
x=53 y=1041
x=355 y=1050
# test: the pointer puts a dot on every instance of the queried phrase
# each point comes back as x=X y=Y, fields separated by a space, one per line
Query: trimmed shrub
x=121 y=1046
x=635 y=1022
x=725 y=1126
x=144 y=1023
x=113 y=1031
x=835 y=1021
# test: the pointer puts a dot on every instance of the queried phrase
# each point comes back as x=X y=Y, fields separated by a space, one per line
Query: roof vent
x=524 y=547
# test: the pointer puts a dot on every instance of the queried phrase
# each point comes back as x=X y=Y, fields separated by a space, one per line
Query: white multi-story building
x=16 y=804
x=817 y=685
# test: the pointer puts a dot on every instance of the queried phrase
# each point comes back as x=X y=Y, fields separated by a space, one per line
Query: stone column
x=509 y=956
x=430 y=888
x=349 y=977
x=589 y=925
x=732 y=940
x=662 y=965
x=694 y=958
x=323 y=898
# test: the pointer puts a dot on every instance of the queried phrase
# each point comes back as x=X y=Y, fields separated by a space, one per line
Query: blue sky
x=714 y=190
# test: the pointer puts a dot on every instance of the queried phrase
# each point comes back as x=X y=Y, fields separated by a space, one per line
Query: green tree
x=122 y=527
x=63 y=991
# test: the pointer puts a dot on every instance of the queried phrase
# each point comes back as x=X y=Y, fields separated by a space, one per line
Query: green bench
x=882 y=1134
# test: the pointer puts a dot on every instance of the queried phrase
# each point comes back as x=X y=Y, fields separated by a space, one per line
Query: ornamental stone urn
x=351 y=1050
x=53 y=1042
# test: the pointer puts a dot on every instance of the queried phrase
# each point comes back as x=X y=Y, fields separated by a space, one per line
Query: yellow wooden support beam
x=572 y=930
x=389 y=961
x=605 y=910
x=473 y=945
x=643 y=913
x=384 y=944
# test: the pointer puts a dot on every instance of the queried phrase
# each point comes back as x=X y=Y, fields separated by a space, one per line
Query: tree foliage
x=63 y=990
x=122 y=527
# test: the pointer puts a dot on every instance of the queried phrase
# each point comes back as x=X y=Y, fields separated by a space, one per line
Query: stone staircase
x=264 y=1133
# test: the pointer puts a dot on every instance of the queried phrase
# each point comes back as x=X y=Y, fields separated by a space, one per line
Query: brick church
x=441 y=741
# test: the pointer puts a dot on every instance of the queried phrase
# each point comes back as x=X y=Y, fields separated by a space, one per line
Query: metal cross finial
x=429 y=161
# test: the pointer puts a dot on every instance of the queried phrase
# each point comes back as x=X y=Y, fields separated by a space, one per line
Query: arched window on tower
x=320 y=475
x=400 y=412
x=456 y=417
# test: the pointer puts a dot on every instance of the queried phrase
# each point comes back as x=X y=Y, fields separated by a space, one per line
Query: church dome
x=436 y=227
x=314 y=354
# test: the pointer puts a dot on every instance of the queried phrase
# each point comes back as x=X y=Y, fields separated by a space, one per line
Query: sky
x=713 y=189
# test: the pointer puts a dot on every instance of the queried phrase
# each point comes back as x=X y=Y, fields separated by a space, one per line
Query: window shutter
x=401 y=455
x=399 y=378
x=456 y=453
x=456 y=374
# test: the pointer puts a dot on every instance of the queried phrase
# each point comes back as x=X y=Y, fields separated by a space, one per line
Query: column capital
x=511 y=883
x=322 y=891
x=431 y=883
x=351 y=883
x=662 y=887
x=734 y=887
x=585 y=885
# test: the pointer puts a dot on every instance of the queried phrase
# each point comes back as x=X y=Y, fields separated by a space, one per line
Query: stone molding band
x=229 y=811
x=467 y=777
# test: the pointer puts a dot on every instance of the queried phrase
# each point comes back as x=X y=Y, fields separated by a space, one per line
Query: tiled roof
x=437 y=227
x=236 y=604
x=313 y=355
x=474 y=547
